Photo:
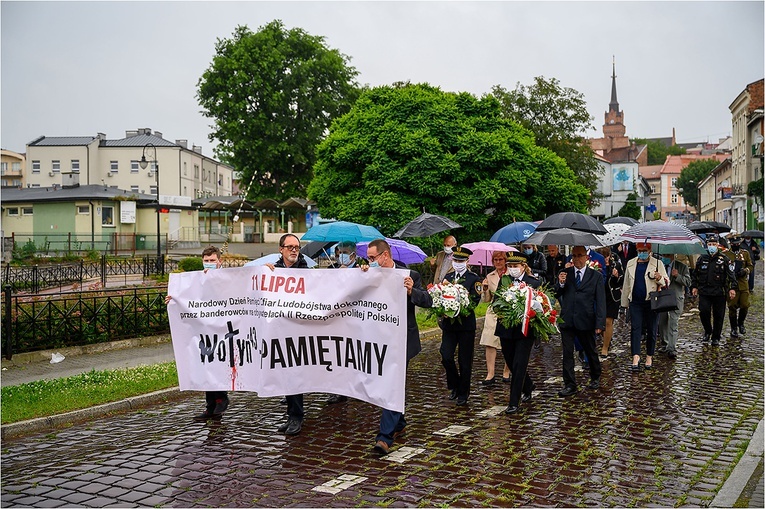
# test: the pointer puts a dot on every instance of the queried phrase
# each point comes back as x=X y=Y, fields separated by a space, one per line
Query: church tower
x=614 y=126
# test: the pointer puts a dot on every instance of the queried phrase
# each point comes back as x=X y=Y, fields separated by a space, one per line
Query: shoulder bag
x=662 y=300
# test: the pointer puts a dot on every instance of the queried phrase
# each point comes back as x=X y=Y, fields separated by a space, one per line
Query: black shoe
x=648 y=366
x=707 y=337
x=462 y=401
x=741 y=330
x=635 y=368
x=336 y=398
x=506 y=380
x=283 y=401
x=283 y=427
x=453 y=394
x=733 y=333
x=490 y=381
x=567 y=391
x=525 y=397
x=220 y=406
x=206 y=416
x=672 y=355
x=511 y=409
x=594 y=384
x=715 y=342
x=537 y=343
x=293 y=427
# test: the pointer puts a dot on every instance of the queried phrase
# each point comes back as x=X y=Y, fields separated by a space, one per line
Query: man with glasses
x=289 y=248
x=582 y=296
x=393 y=423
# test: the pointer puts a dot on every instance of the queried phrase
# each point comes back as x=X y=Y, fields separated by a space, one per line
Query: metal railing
x=32 y=323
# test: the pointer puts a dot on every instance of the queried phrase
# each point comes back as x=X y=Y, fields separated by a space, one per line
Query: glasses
x=372 y=258
x=291 y=248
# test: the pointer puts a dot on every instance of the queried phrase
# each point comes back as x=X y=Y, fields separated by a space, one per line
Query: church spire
x=614 y=104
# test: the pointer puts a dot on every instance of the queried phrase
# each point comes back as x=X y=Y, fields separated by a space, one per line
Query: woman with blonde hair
x=488 y=339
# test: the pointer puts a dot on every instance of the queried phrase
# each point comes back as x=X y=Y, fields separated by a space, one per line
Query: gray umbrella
x=564 y=236
x=621 y=220
x=573 y=221
x=426 y=225
x=755 y=234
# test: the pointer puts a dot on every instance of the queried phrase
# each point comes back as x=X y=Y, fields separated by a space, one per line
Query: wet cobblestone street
x=665 y=437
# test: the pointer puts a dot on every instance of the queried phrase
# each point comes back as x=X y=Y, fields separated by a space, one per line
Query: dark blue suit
x=460 y=332
x=583 y=310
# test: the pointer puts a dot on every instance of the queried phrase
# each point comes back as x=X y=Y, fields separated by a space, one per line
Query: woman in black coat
x=614 y=282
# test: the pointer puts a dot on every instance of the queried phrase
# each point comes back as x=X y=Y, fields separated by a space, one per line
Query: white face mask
x=459 y=266
x=448 y=249
x=515 y=272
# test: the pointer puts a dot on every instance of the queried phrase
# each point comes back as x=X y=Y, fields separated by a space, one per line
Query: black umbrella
x=621 y=219
x=565 y=237
x=701 y=227
x=315 y=248
x=720 y=227
x=426 y=225
x=755 y=234
x=573 y=221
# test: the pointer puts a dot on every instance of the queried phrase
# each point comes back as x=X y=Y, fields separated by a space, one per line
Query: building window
x=26 y=211
x=184 y=190
x=134 y=189
x=35 y=166
x=184 y=168
x=76 y=165
x=114 y=166
x=107 y=216
x=3 y=168
x=153 y=166
x=134 y=166
x=83 y=210
x=674 y=198
x=13 y=211
x=56 y=165
x=674 y=181
x=653 y=188
x=196 y=171
x=153 y=190
x=16 y=166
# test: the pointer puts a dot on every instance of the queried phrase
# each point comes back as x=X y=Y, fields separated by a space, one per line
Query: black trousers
x=712 y=314
x=587 y=339
x=211 y=397
x=516 y=349
x=450 y=341
x=295 y=406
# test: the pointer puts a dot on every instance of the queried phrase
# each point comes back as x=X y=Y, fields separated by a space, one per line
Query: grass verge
x=43 y=398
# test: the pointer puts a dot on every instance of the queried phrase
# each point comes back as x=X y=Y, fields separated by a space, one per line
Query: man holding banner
x=392 y=423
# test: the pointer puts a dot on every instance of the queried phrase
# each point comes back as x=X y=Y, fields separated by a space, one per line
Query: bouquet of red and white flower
x=594 y=264
x=520 y=304
x=450 y=300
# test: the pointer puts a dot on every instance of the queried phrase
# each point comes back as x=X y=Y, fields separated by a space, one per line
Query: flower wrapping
x=450 y=300
x=531 y=308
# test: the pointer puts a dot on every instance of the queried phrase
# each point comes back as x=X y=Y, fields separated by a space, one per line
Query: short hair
x=211 y=250
x=285 y=237
x=381 y=245
x=346 y=244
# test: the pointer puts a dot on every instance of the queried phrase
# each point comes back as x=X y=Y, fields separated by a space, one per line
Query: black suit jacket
x=419 y=297
x=504 y=332
x=582 y=307
x=474 y=284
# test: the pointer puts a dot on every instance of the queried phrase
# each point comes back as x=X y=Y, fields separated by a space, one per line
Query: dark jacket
x=713 y=275
x=501 y=331
x=538 y=265
x=474 y=285
x=301 y=263
x=582 y=307
x=554 y=266
x=419 y=297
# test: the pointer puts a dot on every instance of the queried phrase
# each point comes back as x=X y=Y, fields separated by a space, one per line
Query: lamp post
x=144 y=163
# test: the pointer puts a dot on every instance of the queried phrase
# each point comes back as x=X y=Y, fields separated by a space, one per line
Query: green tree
x=689 y=179
x=272 y=95
x=405 y=148
x=658 y=151
x=559 y=119
x=630 y=208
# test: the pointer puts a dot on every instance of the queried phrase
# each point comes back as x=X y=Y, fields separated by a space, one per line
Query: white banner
x=291 y=331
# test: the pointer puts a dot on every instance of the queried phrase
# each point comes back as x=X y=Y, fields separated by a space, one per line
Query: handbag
x=662 y=300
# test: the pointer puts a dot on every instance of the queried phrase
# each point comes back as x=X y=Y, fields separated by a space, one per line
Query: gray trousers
x=668 y=327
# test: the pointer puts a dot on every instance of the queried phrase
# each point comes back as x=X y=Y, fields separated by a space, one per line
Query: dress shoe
x=453 y=394
x=382 y=447
x=505 y=379
x=733 y=333
x=648 y=366
x=293 y=427
x=635 y=368
x=672 y=355
x=336 y=398
x=525 y=397
x=511 y=409
x=462 y=401
x=490 y=381
x=594 y=384
x=707 y=337
x=220 y=406
x=567 y=391
x=741 y=330
x=283 y=427
x=206 y=416
x=715 y=342
x=399 y=432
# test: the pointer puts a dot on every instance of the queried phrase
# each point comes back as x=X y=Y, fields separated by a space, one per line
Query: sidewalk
x=666 y=437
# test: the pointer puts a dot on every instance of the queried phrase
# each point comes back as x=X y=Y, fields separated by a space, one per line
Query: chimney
x=156 y=133
x=183 y=143
x=130 y=134
x=100 y=136
x=197 y=149
x=144 y=130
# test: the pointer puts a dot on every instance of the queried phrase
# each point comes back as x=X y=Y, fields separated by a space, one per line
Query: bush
x=190 y=263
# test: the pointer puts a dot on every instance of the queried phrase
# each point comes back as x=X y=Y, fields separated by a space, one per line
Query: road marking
x=339 y=484
x=402 y=454
x=452 y=431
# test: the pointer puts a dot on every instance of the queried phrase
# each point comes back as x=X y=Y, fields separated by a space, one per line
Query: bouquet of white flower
x=450 y=300
x=525 y=306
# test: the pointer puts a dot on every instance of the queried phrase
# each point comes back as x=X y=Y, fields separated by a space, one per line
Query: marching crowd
x=591 y=287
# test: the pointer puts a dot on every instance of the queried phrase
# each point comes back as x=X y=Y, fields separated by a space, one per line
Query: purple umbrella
x=401 y=250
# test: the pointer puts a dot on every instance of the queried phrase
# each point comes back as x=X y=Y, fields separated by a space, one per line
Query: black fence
x=36 y=278
x=32 y=323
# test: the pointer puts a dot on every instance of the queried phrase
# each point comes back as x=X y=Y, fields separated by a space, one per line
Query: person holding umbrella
x=711 y=281
x=679 y=279
x=488 y=339
x=643 y=275
x=536 y=261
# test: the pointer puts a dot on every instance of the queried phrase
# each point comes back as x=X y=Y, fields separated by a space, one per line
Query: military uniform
x=738 y=306
x=713 y=277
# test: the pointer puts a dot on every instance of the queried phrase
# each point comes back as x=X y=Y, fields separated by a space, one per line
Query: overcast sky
x=78 y=68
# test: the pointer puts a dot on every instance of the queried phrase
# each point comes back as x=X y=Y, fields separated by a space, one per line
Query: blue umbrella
x=273 y=258
x=514 y=232
x=339 y=231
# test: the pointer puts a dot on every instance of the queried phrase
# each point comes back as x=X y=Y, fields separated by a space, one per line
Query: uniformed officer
x=739 y=305
x=460 y=331
x=712 y=280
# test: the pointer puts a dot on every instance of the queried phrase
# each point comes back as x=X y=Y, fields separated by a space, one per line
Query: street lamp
x=144 y=163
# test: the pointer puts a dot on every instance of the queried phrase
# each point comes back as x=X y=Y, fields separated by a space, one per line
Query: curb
x=742 y=473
